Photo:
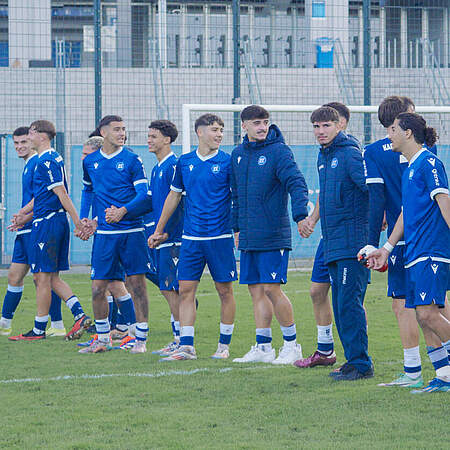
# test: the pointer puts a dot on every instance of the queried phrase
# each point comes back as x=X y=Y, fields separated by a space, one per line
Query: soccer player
x=320 y=279
x=20 y=261
x=264 y=172
x=50 y=233
x=384 y=169
x=204 y=175
x=344 y=222
x=424 y=223
x=161 y=134
x=117 y=178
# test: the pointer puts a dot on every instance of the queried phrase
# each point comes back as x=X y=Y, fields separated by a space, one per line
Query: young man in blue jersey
x=264 y=173
x=50 y=233
x=424 y=223
x=344 y=222
x=204 y=175
x=117 y=178
x=20 y=260
x=161 y=134
x=384 y=168
x=320 y=279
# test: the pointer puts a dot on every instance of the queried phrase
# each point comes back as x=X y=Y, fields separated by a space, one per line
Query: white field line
x=159 y=374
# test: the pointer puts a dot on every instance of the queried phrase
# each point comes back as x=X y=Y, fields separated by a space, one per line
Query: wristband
x=388 y=246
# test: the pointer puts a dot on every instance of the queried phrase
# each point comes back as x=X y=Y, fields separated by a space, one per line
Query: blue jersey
x=160 y=181
x=206 y=181
x=426 y=232
x=48 y=174
x=27 y=186
x=116 y=179
x=384 y=166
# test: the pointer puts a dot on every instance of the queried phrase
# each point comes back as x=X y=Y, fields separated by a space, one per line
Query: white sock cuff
x=41 y=318
x=226 y=329
x=71 y=301
x=15 y=289
x=187 y=331
x=176 y=324
x=110 y=298
x=124 y=298
x=264 y=332
x=171 y=318
x=58 y=324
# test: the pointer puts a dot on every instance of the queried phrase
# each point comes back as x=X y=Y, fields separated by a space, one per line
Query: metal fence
x=73 y=61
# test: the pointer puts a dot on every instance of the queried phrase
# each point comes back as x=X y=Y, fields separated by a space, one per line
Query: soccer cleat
x=183 y=353
x=222 y=352
x=288 y=354
x=316 y=359
x=127 y=343
x=117 y=335
x=88 y=343
x=139 y=347
x=56 y=332
x=403 y=380
x=350 y=373
x=5 y=330
x=30 y=336
x=257 y=354
x=96 y=347
x=435 y=385
x=167 y=350
x=78 y=327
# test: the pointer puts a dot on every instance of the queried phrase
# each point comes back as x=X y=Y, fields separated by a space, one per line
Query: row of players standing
x=266 y=241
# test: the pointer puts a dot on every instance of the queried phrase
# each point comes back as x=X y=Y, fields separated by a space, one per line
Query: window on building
x=318 y=8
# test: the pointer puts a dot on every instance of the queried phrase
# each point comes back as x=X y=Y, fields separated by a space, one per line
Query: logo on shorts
x=191 y=166
x=282 y=251
x=232 y=273
x=41 y=245
x=120 y=166
x=274 y=274
x=33 y=266
x=175 y=260
x=92 y=272
x=411 y=173
x=393 y=258
x=95 y=165
x=434 y=268
x=262 y=160
x=215 y=168
x=423 y=295
x=334 y=163
x=432 y=161
x=239 y=159
x=47 y=164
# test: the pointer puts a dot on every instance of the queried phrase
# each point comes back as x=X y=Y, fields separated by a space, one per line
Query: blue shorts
x=167 y=258
x=119 y=254
x=427 y=283
x=49 y=250
x=217 y=253
x=21 y=252
x=264 y=267
x=320 y=272
x=397 y=273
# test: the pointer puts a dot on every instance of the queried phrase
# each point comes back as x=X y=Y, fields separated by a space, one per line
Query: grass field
x=53 y=397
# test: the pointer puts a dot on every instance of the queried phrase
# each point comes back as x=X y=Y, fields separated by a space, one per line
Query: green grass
x=207 y=403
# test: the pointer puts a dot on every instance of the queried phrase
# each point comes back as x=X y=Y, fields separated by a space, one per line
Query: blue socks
x=11 y=301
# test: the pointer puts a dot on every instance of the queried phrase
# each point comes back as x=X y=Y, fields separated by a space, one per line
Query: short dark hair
x=324 y=114
x=342 y=110
x=44 y=126
x=21 y=131
x=418 y=126
x=206 y=120
x=391 y=107
x=105 y=121
x=254 y=112
x=166 y=128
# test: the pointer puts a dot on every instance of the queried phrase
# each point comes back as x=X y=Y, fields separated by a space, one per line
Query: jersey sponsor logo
x=58 y=158
x=435 y=176
x=334 y=163
x=411 y=173
x=387 y=147
x=47 y=164
x=423 y=295
x=120 y=166
x=95 y=165
x=239 y=159
x=273 y=274
x=41 y=245
x=432 y=161
x=50 y=175
x=393 y=259
x=262 y=160
x=215 y=168
x=434 y=268
x=191 y=166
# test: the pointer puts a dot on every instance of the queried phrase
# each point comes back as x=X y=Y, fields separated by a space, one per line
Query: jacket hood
x=342 y=140
x=274 y=136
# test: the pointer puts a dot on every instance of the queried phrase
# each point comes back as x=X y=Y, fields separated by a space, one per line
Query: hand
x=156 y=239
x=114 y=214
x=82 y=230
x=236 y=240
x=306 y=227
x=18 y=221
x=91 y=225
x=378 y=259
x=364 y=253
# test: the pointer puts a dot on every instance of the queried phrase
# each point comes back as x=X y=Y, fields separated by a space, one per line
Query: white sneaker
x=288 y=354
x=139 y=347
x=222 y=352
x=257 y=354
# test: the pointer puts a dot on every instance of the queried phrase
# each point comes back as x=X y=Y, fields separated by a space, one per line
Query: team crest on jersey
x=191 y=166
x=432 y=161
x=120 y=166
x=95 y=165
x=434 y=268
x=411 y=173
x=393 y=259
x=334 y=163
x=215 y=168
x=423 y=295
x=160 y=174
x=262 y=160
x=47 y=164
x=239 y=159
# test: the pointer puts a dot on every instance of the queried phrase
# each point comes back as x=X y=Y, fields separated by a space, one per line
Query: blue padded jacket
x=263 y=174
x=344 y=198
